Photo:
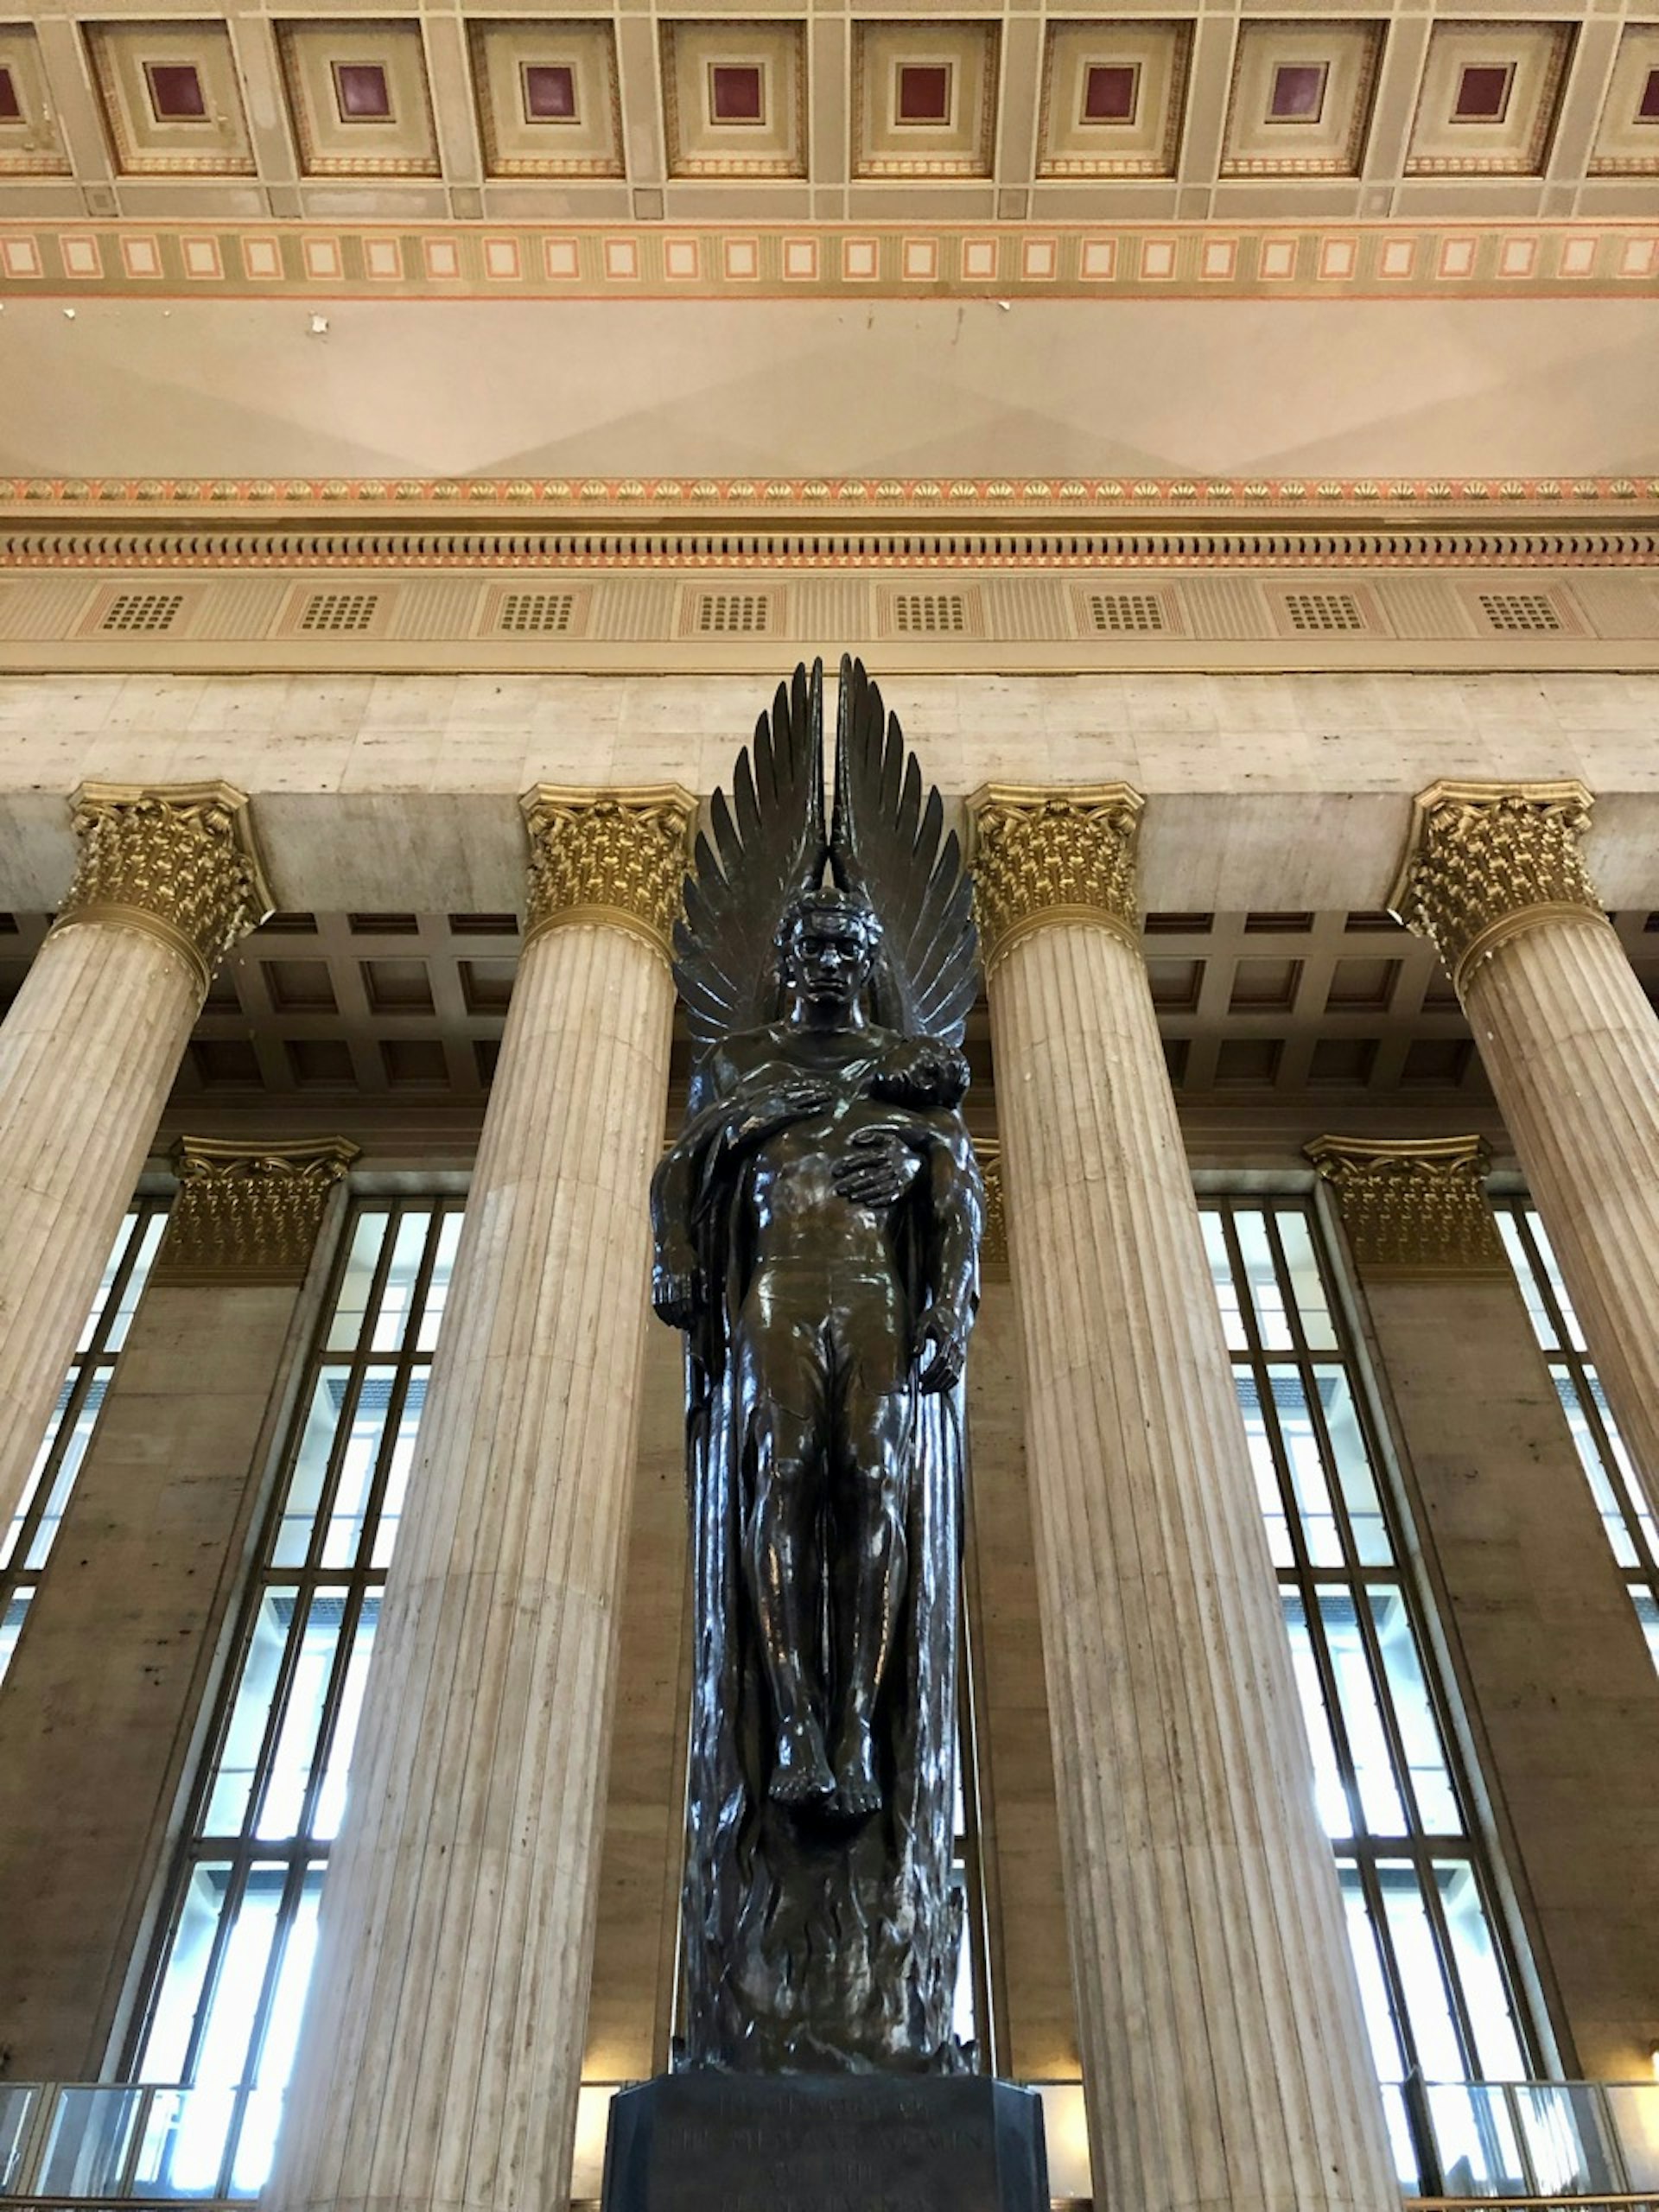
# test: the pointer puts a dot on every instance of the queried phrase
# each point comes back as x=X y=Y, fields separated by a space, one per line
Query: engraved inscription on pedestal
x=712 y=2142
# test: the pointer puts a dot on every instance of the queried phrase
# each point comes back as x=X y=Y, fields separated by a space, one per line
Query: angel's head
x=828 y=944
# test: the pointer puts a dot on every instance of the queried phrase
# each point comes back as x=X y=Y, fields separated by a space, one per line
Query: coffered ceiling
x=830 y=111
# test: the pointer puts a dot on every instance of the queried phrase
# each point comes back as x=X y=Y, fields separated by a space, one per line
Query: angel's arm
x=959 y=1216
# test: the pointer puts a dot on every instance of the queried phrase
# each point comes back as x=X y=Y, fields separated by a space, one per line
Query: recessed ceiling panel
x=1113 y=98
x=1488 y=98
x=734 y=98
x=172 y=105
x=30 y=141
x=924 y=99
x=1301 y=98
x=359 y=95
x=548 y=104
x=1627 y=143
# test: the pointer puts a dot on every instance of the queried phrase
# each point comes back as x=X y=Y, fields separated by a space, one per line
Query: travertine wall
x=375 y=792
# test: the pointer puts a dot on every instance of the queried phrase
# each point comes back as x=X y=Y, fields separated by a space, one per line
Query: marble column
x=441 y=2055
x=167 y=882
x=98 y=1708
x=1224 y=2060
x=1495 y=876
x=1560 y=1687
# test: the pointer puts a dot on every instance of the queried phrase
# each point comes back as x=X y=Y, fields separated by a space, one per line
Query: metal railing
x=67 y=2146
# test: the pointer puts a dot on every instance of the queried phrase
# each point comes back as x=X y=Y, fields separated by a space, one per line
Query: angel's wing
x=767 y=847
x=887 y=842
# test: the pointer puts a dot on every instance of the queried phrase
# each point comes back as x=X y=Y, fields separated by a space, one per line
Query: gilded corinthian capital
x=612 y=856
x=174 y=860
x=1413 y=1209
x=1487 y=861
x=1062 y=853
x=248 y=1212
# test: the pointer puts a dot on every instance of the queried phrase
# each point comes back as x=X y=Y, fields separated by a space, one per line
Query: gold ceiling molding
x=1044 y=854
x=1486 y=861
x=176 y=861
x=990 y=261
x=248 y=1213
x=1414 y=1208
x=613 y=857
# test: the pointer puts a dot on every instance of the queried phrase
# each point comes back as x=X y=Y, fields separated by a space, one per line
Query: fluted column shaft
x=167 y=883
x=1495 y=876
x=441 y=2055
x=1223 y=2055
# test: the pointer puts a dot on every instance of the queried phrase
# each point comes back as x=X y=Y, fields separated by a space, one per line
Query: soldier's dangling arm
x=952 y=1259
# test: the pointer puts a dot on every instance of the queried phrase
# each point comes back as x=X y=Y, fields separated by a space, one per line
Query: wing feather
x=764 y=846
x=889 y=840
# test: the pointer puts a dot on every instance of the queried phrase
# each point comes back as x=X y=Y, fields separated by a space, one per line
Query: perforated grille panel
x=1323 y=611
x=1117 y=611
x=1509 y=611
x=142 y=610
x=733 y=613
x=930 y=613
x=539 y=613
x=339 y=611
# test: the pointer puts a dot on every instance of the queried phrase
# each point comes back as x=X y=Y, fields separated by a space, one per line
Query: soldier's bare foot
x=857 y=1790
x=800 y=1773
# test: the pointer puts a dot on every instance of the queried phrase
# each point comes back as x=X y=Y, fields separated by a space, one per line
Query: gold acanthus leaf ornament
x=249 y=1213
x=1044 y=853
x=176 y=861
x=1414 y=1208
x=1487 y=861
x=613 y=857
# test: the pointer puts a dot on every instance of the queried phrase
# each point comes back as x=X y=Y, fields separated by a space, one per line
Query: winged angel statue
x=817 y=1229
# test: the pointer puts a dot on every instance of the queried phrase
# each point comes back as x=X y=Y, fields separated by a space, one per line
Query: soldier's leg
x=781 y=1384
x=872 y=1481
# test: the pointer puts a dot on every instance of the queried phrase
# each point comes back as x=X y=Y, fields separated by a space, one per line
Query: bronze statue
x=817 y=1229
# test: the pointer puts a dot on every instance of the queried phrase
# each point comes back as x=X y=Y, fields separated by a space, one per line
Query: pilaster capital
x=1053 y=853
x=174 y=860
x=1416 y=1208
x=1486 y=861
x=993 y=1238
x=612 y=855
x=248 y=1213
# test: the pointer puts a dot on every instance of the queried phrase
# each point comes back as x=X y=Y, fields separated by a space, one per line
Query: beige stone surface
x=1036 y=2027
x=391 y=792
x=99 y=1706
x=1224 y=2057
x=1570 y=1046
x=88 y=1053
x=1562 y=1689
x=442 y=2057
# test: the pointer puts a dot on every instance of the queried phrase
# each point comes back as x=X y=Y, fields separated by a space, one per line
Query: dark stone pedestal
x=712 y=2142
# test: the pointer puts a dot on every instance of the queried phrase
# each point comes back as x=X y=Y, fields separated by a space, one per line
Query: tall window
x=1613 y=1482
x=27 y=1545
x=1436 y=1977
x=229 y=1975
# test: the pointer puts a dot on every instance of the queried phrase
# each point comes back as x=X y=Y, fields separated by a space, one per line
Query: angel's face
x=828 y=960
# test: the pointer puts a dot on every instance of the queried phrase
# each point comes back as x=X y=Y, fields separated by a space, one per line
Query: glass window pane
x=1266 y=1471
x=1368 y=1529
x=312 y=1660
x=227 y=1803
x=1306 y=1284
x=305 y=1484
x=1440 y=2053
x=133 y=1289
x=1437 y=1812
x=346 y=1325
x=1543 y=1325
x=402 y=1459
x=1485 y=1999
x=408 y=1247
x=63 y=1481
x=1373 y=1988
x=11 y=1626
x=437 y=1295
x=1307 y=1473
x=358 y=1463
x=331 y=1798
x=293 y=1979
x=1221 y=1274
x=1368 y=1743
x=1265 y=1298
x=1336 y=1815
x=189 y=1953
x=222 y=2060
